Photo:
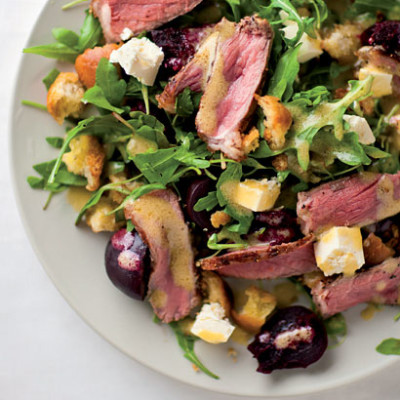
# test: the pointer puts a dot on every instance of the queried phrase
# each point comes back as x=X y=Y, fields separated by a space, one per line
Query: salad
x=244 y=156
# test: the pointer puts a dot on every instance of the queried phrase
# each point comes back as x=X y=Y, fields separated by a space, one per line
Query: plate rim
x=336 y=383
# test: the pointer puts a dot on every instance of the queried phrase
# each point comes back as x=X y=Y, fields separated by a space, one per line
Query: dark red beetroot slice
x=178 y=45
x=293 y=337
x=197 y=189
x=385 y=34
x=128 y=264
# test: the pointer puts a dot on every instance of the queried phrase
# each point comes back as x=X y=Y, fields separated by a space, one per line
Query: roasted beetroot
x=275 y=227
x=198 y=188
x=127 y=263
x=178 y=45
x=293 y=337
x=385 y=34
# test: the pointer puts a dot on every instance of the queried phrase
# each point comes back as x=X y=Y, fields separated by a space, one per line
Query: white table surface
x=46 y=350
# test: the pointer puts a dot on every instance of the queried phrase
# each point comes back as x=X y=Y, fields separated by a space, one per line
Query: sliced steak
x=357 y=200
x=158 y=219
x=197 y=72
x=137 y=15
x=238 y=70
x=379 y=284
x=265 y=262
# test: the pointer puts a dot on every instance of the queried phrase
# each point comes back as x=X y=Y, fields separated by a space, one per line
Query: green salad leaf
x=109 y=90
x=186 y=343
x=389 y=346
x=68 y=44
x=50 y=78
x=336 y=328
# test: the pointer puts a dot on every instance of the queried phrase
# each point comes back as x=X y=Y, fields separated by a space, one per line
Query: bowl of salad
x=219 y=192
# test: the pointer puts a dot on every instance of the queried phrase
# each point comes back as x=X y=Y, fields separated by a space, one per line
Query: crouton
x=277 y=120
x=64 y=97
x=219 y=218
x=87 y=62
x=280 y=162
x=343 y=41
x=99 y=218
x=86 y=158
x=118 y=197
x=251 y=141
x=215 y=290
x=257 y=308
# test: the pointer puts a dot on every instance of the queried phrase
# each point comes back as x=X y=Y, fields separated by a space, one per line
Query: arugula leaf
x=336 y=328
x=187 y=102
x=72 y=4
x=371 y=6
x=107 y=78
x=235 y=6
x=281 y=83
x=90 y=34
x=55 y=142
x=374 y=152
x=308 y=122
x=215 y=238
x=34 y=105
x=109 y=89
x=95 y=95
x=186 y=343
x=389 y=346
x=206 y=203
x=36 y=182
x=68 y=44
x=56 y=50
x=227 y=180
x=65 y=36
x=50 y=78
x=348 y=150
x=96 y=196
x=64 y=177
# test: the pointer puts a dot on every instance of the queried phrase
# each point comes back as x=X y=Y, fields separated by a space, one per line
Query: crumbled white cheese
x=382 y=83
x=126 y=34
x=309 y=49
x=290 y=339
x=257 y=195
x=140 y=58
x=360 y=126
x=339 y=250
x=211 y=326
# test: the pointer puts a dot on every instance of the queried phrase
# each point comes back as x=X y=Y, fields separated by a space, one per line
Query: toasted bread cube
x=99 y=218
x=215 y=290
x=87 y=62
x=343 y=41
x=277 y=120
x=258 y=307
x=64 y=97
x=86 y=158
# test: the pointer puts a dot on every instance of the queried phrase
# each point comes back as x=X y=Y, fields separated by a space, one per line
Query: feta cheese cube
x=360 y=126
x=126 y=34
x=339 y=250
x=382 y=83
x=140 y=58
x=310 y=48
x=211 y=326
x=257 y=195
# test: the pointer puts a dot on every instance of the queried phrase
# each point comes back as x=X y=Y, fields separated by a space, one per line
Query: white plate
x=73 y=258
